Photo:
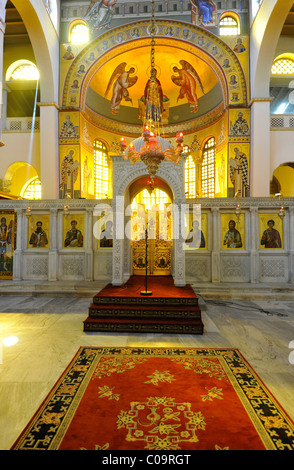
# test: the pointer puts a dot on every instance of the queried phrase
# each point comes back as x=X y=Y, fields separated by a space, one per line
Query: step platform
x=168 y=309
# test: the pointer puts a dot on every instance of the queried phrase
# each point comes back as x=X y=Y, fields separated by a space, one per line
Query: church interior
x=149 y=140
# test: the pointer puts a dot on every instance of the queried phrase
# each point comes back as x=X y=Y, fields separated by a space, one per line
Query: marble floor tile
x=50 y=332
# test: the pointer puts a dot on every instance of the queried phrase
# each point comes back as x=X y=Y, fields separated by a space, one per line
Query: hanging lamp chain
x=152 y=31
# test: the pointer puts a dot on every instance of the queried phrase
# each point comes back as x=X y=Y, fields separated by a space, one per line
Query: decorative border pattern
x=46 y=429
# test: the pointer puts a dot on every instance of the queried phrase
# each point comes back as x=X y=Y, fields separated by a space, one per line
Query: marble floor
x=50 y=331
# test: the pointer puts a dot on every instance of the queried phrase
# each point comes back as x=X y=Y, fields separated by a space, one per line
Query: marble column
x=260 y=148
x=254 y=258
x=291 y=244
x=89 y=246
x=118 y=253
x=215 y=254
x=53 y=252
x=17 y=254
x=49 y=159
x=2 y=31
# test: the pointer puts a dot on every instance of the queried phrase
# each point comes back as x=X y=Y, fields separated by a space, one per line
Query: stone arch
x=168 y=172
x=141 y=183
x=265 y=33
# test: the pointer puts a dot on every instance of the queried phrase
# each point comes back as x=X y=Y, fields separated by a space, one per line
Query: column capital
x=260 y=100
x=41 y=105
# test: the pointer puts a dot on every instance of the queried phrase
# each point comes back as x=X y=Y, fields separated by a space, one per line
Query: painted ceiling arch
x=216 y=64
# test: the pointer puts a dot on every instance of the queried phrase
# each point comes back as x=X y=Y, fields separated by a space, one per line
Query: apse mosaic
x=193 y=86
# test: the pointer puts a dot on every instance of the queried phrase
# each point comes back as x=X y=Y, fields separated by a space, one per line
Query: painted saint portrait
x=240 y=125
x=73 y=229
x=69 y=171
x=271 y=231
x=196 y=237
x=239 y=46
x=232 y=231
x=68 y=128
x=203 y=12
x=68 y=54
x=38 y=236
x=7 y=243
x=104 y=230
x=239 y=172
x=106 y=235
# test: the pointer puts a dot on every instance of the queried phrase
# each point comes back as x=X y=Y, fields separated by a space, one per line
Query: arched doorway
x=151 y=240
x=128 y=180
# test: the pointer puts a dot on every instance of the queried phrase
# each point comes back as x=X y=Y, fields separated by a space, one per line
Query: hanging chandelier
x=152 y=148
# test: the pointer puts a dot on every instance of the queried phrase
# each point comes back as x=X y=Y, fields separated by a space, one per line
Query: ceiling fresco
x=133 y=66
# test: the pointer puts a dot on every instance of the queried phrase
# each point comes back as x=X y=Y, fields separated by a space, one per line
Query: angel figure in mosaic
x=120 y=81
x=187 y=79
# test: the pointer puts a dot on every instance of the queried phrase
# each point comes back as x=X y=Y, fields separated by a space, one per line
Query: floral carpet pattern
x=158 y=399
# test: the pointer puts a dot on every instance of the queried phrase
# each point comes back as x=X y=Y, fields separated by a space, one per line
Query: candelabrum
x=281 y=212
x=153 y=151
x=66 y=210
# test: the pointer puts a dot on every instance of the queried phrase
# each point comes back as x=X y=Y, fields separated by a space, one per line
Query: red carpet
x=169 y=309
x=161 y=286
x=158 y=399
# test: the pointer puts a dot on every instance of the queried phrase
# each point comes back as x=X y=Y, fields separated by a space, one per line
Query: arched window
x=282 y=84
x=190 y=178
x=78 y=33
x=32 y=189
x=229 y=25
x=22 y=70
x=22 y=77
x=208 y=169
x=147 y=199
x=101 y=170
x=283 y=66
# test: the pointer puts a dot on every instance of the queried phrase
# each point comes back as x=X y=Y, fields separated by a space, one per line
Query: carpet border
x=51 y=391
x=40 y=408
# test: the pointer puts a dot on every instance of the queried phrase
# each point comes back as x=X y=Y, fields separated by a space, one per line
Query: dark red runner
x=161 y=286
